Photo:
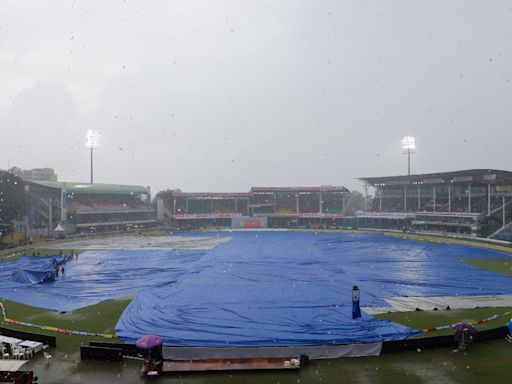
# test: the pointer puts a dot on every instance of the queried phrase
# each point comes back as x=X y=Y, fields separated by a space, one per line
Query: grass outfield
x=427 y=319
x=103 y=317
x=483 y=363
x=496 y=265
x=99 y=318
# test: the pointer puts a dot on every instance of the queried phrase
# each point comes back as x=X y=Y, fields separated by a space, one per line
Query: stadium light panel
x=93 y=139
x=408 y=144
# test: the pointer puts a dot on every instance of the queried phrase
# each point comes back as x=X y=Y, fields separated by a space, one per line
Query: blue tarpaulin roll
x=29 y=277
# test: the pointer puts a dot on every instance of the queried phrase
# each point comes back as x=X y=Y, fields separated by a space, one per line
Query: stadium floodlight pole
x=92 y=143
x=408 y=147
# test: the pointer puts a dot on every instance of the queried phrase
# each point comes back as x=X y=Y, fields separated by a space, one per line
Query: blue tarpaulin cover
x=262 y=288
x=29 y=277
x=31 y=270
x=96 y=276
x=285 y=288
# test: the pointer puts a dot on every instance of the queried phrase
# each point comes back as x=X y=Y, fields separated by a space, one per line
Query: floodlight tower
x=408 y=147
x=92 y=143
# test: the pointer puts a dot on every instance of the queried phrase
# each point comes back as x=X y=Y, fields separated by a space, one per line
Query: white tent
x=11 y=365
x=59 y=231
x=59 y=228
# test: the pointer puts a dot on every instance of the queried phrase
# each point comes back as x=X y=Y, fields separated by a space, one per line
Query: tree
x=13 y=198
x=164 y=195
x=355 y=202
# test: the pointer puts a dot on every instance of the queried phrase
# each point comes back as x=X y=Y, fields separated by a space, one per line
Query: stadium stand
x=504 y=233
x=201 y=210
x=282 y=206
x=474 y=202
x=86 y=208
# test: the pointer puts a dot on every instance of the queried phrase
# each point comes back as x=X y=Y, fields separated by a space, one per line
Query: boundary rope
x=64 y=331
x=481 y=321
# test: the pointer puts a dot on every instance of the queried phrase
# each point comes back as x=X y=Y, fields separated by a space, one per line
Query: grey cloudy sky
x=224 y=95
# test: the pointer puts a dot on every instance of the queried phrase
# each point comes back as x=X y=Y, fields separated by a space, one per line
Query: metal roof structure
x=469 y=176
x=323 y=188
x=85 y=188
x=226 y=195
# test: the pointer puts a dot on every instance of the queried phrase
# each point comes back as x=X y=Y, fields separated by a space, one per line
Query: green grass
x=495 y=265
x=100 y=318
x=428 y=319
x=483 y=363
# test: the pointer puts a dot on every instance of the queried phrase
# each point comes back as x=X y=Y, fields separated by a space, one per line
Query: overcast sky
x=225 y=95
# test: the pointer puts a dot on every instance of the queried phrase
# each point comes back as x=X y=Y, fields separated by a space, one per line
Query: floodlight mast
x=408 y=147
x=92 y=143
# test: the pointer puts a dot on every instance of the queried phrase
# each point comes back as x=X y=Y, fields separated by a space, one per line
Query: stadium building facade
x=260 y=207
x=36 y=174
x=476 y=202
x=81 y=207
